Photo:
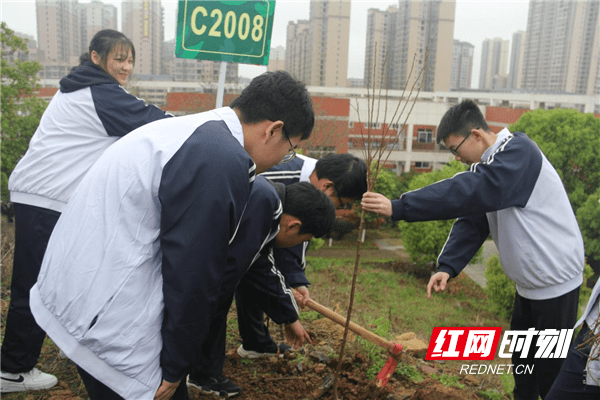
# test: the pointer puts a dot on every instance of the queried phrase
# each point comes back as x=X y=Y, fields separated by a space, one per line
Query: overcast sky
x=475 y=21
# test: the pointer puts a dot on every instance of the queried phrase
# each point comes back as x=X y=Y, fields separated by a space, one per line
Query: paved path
x=475 y=271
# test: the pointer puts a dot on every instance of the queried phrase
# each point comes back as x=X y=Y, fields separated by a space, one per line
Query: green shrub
x=316 y=244
x=584 y=291
x=499 y=289
x=588 y=217
x=20 y=109
x=424 y=241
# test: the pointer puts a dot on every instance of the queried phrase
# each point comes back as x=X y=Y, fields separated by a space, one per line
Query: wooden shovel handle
x=359 y=330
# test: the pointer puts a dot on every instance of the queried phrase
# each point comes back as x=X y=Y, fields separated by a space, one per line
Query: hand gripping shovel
x=393 y=348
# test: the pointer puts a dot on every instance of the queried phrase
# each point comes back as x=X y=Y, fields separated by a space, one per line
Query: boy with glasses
x=513 y=193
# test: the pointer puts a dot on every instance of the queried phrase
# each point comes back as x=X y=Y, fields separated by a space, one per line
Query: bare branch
x=373 y=159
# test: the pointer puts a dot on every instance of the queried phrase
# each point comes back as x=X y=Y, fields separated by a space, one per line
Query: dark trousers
x=99 y=391
x=251 y=320
x=570 y=381
x=23 y=338
x=556 y=313
x=210 y=360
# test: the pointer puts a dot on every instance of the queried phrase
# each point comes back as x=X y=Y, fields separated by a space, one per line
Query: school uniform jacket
x=515 y=195
x=134 y=267
x=253 y=245
x=292 y=261
x=253 y=242
x=90 y=112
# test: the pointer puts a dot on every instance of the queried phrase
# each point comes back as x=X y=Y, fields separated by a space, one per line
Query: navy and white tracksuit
x=90 y=112
x=134 y=268
x=290 y=261
x=515 y=195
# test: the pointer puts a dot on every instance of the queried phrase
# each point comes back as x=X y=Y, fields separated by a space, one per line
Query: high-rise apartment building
x=94 y=17
x=462 y=65
x=296 y=48
x=276 y=59
x=381 y=28
x=142 y=22
x=192 y=70
x=30 y=55
x=494 y=63
x=420 y=31
x=65 y=28
x=562 y=46
x=317 y=50
x=517 y=53
x=58 y=31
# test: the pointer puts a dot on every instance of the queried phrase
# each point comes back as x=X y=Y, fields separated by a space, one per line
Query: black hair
x=460 y=119
x=347 y=172
x=104 y=42
x=311 y=206
x=277 y=96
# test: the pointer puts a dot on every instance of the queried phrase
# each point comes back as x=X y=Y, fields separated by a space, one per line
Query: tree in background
x=571 y=142
x=588 y=216
x=21 y=109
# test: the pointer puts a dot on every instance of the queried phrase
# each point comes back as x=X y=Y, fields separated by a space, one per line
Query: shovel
x=393 y=348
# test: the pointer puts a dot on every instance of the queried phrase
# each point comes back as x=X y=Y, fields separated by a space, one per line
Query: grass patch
x=409 y=372
x=449 y=380
x=399 y=297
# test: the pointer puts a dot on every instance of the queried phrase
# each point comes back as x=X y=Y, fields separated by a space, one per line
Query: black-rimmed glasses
x=455 y=150
x=291 y=153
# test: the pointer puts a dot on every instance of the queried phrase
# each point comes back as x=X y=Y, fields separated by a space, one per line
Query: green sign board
x=233 y=31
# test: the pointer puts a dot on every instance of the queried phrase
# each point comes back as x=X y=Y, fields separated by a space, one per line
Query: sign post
x=228 y=31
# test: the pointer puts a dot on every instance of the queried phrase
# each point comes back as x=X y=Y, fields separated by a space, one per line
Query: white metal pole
x=221 y=88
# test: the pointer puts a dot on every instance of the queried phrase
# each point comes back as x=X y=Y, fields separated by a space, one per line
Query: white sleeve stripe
x=238 y=224
x=282 y=282
x=282 y=175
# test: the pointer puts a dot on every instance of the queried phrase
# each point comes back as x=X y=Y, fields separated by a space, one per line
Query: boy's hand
x=377 y=203
x=301 y=295
x=295 y=334
x=166 y=390
x=439 y=283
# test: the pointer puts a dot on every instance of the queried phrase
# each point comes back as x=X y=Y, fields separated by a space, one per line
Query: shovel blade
x=388 y=369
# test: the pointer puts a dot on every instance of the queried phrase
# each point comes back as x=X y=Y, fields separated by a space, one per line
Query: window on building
x=351 y=124
x=425 y=135
x=422 y=164
x=393 y=146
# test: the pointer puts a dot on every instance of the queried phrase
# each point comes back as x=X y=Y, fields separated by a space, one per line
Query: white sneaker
x=269 y=352
x=32 y=380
